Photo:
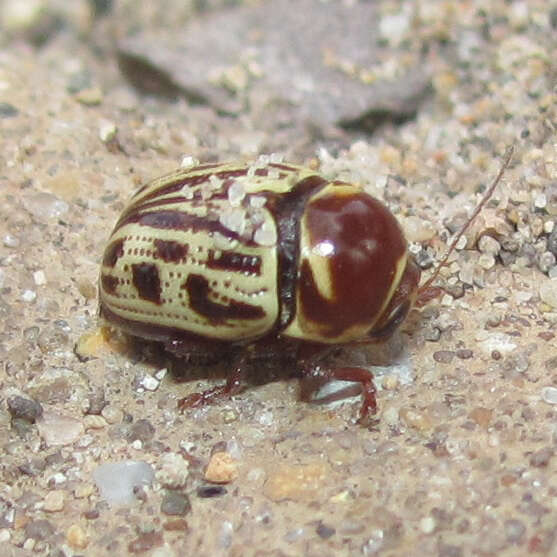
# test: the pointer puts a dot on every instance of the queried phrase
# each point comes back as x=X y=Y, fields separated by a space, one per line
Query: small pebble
x=488 y=245
x=427 y=524
x=390 y=382
x=95 y=402
x=514 y=530
x=324 y=531
x=77 y=537
x=39 y=529
x=112 y=414
x=10 y=241
x=486 y=261
x=175 y=504
x=297 y=482
x=142 y=430
x=173 y=472
x=549 y=395
x=107 y=131
x=44 y=205
x=222 y=468
x=92 y=96
x=39 y=278
x=552 y=240
x=83 y=490
x=188 y=161
x=54 y=502
x=464 y=354
x=58 y=430
x=481 y=416
x=116 y=480
x=541 y=458
x=24 y=409
x=145 y=542
x=208 y=491
x=443 y=356
x=546 y=261
x=149 y=383
x=29 y=296
x=8 y=110
x=175 y=525
x=417 y=419
x=93 y=421
x=548 y=292
x=224 y=536
x=161 y=373
x=86 y=288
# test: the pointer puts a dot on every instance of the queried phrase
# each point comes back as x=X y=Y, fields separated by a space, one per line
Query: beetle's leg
x=232 y=386
x=310 y=369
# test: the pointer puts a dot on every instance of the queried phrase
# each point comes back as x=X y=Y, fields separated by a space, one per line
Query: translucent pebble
x=45 y=205
x=188 y=161
x=549 y=395
x=266 y=235
x=39 y=278
x=150 y=383
x=548 y=292
x=257 y=202
x=107 y=131
x=236 y=194
x=29 y=296
x=10 y=241
x=116 y=480
x=540 y=201
x=234 y=220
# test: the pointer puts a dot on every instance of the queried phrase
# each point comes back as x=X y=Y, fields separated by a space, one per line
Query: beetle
x=264 y=259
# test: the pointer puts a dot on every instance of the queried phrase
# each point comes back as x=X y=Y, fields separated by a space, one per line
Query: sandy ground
x=462 y=458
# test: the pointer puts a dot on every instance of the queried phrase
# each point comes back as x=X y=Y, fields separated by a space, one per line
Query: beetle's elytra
x=243 y=259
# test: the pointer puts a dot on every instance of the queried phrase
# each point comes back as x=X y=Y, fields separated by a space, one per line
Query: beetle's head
x=356 y=280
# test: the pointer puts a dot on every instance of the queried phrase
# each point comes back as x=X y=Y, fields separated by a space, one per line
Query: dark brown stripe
x=196 y=200
x=189 y=170
x=282 y=166
x=287 y=209
x=198 y=289
x=147 y=282
x=178 y=220
x=235 y=262
x=168 y=250
x=109 y=283
x=113 y=252
x=172 y=187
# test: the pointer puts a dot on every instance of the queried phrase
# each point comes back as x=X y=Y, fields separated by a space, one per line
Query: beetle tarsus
x=232 y=386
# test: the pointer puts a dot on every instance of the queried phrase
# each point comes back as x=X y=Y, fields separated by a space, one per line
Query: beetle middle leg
x=308 y=364
x=233 y=385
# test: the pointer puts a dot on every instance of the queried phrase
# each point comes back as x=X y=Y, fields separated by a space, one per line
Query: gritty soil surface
x=97 y=459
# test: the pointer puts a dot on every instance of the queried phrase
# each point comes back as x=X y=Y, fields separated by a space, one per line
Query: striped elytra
x=241 y=252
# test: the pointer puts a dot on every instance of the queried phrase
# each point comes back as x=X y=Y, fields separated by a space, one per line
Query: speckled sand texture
x=462 y=460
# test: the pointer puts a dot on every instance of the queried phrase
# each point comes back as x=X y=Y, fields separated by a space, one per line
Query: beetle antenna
x=423 y=295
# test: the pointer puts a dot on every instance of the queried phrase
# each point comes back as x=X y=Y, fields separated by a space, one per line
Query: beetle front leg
x=232 y=386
